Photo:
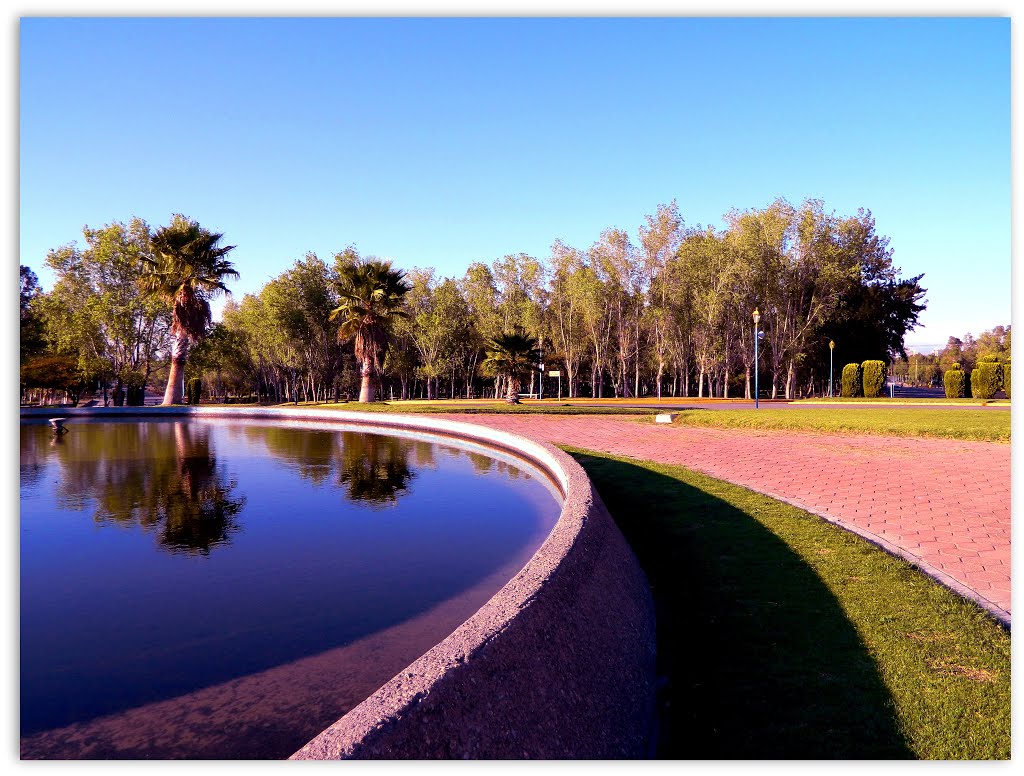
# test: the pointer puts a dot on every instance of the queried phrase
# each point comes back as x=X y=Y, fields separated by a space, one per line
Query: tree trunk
x=512 y=397
x=366 y=388
x=175 y=392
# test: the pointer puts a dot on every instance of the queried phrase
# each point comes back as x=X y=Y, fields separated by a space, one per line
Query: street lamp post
x=540 y=394
x=757 y=319
x=831 y=347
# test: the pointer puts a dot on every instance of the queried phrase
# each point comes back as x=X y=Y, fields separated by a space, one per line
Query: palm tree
x=511 y=355
x=187 y=268
x=371 y=296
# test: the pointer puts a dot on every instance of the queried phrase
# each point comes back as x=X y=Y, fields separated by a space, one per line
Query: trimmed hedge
x=873 y=377
x=985 y=379
x=956 y=383
x=194 y=390
x=1006 y=379
x=851 y=381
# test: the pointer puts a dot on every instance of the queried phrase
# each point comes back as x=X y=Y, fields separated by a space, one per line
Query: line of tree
x=927 y=369
x=667 y=314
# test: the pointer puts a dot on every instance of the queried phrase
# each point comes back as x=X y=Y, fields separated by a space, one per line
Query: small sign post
x=557 y=373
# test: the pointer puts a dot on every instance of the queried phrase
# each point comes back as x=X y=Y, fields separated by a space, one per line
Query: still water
x=223 y=589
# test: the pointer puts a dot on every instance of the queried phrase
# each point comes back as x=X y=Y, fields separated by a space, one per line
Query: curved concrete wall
x=559 y=663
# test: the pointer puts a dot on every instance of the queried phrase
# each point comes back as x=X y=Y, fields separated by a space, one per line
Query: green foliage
x=986 y=378
x=956 y=383
x=511 y=355
x=851 y=380
x=1006 y=378
x=194 y=390
x=95 y=310
x=873 y=377
x=371 y=297
x=626 y=317
x=187 y=268
x=55 y=372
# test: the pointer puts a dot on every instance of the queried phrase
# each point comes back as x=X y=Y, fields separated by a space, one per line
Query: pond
x=223 y=589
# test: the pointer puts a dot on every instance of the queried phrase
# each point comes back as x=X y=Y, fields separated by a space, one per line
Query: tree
x=659 y=239
x=54 y=372
x=371 y=297
x=95 y=312
x=31 y=329
x=511 y=355
x=187 y=268
x=876 y=307
x=300 y=302
x=565 y=310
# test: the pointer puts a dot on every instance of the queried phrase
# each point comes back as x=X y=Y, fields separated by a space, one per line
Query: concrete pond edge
x=558 y=664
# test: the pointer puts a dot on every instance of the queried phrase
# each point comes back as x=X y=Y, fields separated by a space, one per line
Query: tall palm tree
x=187 y=268
x=511 y=355
x=371 y=297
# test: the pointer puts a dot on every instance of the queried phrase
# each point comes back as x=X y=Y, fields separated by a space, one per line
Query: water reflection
x=375 y=468
x=370 y=468
x=181 y=492
x=139 y=649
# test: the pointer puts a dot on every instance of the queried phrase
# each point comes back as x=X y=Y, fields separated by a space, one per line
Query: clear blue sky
x=439 y=142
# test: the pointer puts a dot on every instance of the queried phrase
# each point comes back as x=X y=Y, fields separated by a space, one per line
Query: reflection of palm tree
x=157 y=475
x=197 y=509
x=375 y=468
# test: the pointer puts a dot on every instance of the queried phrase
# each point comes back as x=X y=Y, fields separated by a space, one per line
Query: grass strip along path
x=979 y=425
x=782 y=636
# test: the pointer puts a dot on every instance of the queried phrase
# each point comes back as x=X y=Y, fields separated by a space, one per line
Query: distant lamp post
x=831 y=347
x=757 y=319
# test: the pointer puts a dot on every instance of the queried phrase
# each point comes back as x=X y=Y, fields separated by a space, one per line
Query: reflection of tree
x=161 y=476
x=481 y=463
x=310 y=452
x=34 y=453
x=374 y=468
x=425 y=454
x=196 y=507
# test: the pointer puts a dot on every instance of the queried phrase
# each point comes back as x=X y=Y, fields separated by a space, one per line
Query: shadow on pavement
x=757 y=660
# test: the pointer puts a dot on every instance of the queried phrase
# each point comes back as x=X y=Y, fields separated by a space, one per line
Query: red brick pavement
x=944 y=504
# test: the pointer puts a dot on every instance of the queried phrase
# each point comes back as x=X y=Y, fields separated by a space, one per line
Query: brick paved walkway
x=943 y=504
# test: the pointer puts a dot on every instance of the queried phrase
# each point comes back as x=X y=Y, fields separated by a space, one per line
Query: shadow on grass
x=756 y=657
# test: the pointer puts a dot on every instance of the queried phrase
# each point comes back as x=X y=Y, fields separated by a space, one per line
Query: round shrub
x=851 y=381
x=956 y=383
x=985 y=379
x=873 y=377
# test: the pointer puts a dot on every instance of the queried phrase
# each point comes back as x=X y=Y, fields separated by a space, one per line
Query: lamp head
x=757 y=316
x=831 y=345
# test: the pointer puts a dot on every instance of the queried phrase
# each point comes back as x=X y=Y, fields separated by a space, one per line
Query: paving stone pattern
x=942 y=503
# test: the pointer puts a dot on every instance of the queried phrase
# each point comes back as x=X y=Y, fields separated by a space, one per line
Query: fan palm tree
x=371 y=297
x=511 y=355
x=187 y=268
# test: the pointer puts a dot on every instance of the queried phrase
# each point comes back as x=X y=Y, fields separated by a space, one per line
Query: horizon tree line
x=667 y=314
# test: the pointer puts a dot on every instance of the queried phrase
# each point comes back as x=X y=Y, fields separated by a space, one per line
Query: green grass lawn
x=978 y=425
x=782 y=636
